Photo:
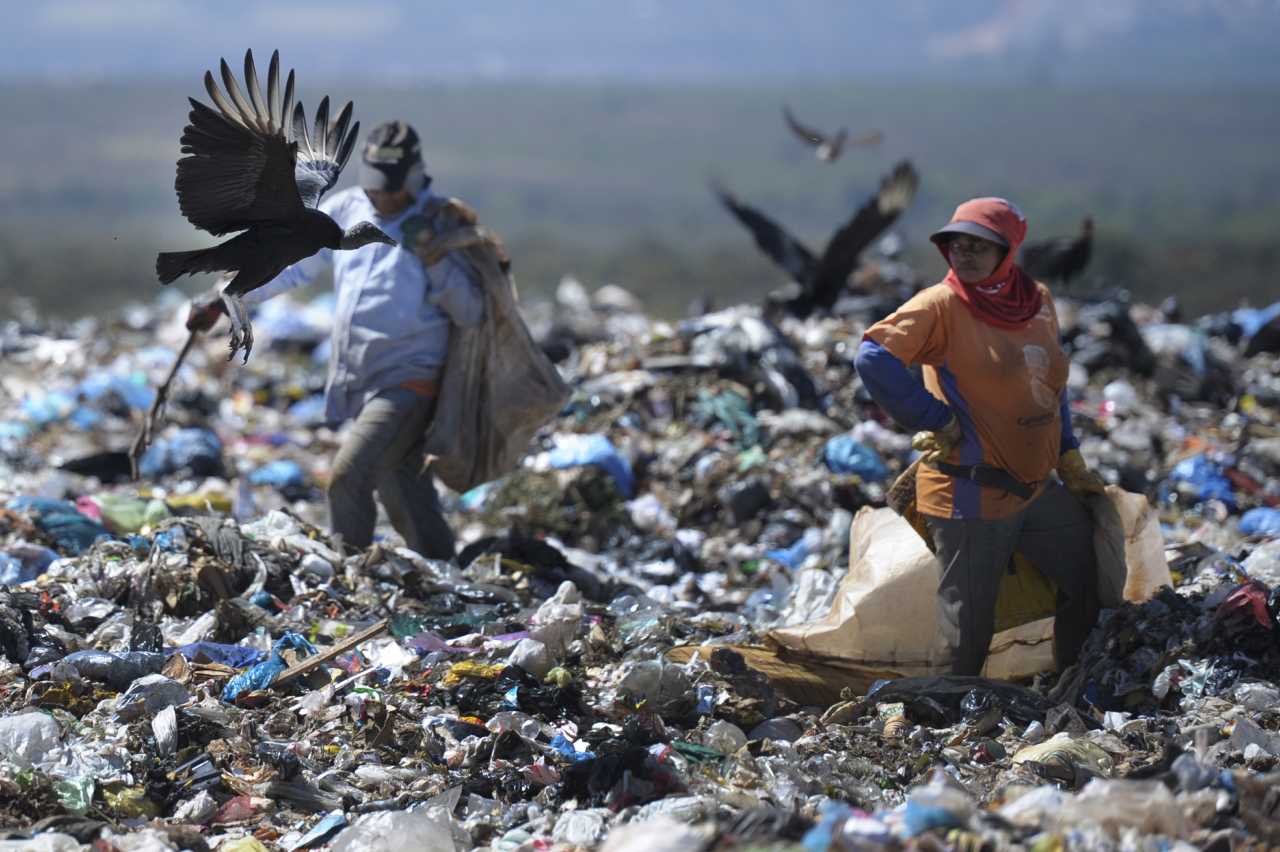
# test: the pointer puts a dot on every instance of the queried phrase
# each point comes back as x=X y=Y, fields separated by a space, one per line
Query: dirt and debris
x=189 y=662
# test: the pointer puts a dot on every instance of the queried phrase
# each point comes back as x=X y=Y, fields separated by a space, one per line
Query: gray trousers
x=1055 y=532
x=383 y=452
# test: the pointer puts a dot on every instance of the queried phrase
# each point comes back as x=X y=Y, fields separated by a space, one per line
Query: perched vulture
x=828 y=149
x=246 y=170
x=1061 y=258
x=823 y=278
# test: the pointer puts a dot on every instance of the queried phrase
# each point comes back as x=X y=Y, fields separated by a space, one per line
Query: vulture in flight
x=823 y=278
x=247 y=170
x=827 y=149
x=1061 y=258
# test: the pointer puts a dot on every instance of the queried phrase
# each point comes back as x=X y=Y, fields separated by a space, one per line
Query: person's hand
x=204 y=314
x=1075 y=474
x=937 y=445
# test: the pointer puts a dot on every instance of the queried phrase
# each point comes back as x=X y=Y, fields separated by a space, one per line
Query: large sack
x=885 y=614
x=1129 y=546
x=498 y=386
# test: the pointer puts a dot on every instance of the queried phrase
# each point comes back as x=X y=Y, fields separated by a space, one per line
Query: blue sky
x=1169 y=41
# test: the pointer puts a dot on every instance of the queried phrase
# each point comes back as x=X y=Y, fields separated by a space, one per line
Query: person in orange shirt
x=994 y=423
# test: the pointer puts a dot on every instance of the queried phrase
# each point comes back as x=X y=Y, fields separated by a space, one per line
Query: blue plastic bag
x=281 y=473
x=235 y=656
x=197 y=450
x=264 y=673
x=1263 y=521
x=845 y=455
x=23 y=562
x=70 y=530
x=565 y=749
x=795 y=555
x=115 y=670
x=579 y=450
x=1206 y=477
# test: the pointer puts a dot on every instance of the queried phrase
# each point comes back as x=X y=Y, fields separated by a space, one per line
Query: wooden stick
x=157 y=406
x=315 y=660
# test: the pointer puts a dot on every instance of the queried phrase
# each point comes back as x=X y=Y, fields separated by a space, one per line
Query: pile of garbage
x=190 y=662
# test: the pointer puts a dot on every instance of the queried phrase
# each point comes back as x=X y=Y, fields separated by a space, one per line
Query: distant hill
x=609 y=181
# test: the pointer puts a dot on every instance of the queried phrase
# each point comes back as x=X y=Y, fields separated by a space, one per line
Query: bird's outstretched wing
x=238 y=168
x=897 y=189
x=808 y=134
x=323 y=152
x=784 y=249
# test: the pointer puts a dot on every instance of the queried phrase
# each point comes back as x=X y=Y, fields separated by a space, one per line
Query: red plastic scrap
x=1249 y=599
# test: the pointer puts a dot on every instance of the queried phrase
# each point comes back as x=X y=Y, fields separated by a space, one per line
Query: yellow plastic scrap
x=244 y=844
x=471 y=668
x=130 y=802
x=204 y=501
x=559 y=676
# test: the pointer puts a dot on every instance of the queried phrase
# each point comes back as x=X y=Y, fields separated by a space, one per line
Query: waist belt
x=422 y=387
x=988 y=477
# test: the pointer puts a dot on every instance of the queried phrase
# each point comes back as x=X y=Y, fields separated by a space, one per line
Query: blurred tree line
x=609 y=183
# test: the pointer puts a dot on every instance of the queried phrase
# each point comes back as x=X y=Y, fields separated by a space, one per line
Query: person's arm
x=899 y=391
x=301 y=273
x=1069 y=439
x=456 y=292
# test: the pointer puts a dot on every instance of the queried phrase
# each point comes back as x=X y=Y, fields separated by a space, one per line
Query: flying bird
x=822 y=278
x=1059 y=259
x=247 y=170
x=828 y=149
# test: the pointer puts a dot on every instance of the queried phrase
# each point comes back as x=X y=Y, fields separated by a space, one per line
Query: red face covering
x=1008 y=297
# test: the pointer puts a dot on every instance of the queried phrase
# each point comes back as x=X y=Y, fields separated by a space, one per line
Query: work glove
x=204 y=313
x=937 y=445
x=1075 y=474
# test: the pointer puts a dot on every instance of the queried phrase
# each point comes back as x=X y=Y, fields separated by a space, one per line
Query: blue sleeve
x=1069 y=440
x=897 y=390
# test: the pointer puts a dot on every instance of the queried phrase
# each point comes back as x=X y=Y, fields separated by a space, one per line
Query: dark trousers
x=382 y=452
x=1055 y=532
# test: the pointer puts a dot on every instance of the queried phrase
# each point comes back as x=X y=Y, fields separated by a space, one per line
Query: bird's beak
x=383 y=238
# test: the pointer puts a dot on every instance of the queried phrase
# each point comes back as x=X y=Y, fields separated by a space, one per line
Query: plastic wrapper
x=264 y=673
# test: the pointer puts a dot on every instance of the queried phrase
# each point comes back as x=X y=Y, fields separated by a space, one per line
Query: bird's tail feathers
x=170 y=265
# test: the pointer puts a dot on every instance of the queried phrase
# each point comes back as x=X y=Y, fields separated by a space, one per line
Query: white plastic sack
x=30 y=737
x=885 y=612
x=427 y=830
x=498 y=386
x=1129 y=547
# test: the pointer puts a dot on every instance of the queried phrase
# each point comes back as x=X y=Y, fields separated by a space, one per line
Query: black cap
x=390 y=150
x=973 y=229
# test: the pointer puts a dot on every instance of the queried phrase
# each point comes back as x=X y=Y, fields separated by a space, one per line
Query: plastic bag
x=843 y=454
x=115 y=670
x=498 y=386
x=598 y=450
x=29 y=736
x=1128 y=546
x=197 y=450
x=263 y=674
x=884 y=618
x=428 y=830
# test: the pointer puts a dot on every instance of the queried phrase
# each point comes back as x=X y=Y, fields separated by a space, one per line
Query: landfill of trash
x=189 y=662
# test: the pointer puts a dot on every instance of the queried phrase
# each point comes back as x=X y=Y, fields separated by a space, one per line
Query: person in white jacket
x=389 y=341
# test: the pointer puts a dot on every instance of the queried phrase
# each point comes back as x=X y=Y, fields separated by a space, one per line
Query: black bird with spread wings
x=823 y=278
x=826 y=149
x=246 y=170
x=1061 y=258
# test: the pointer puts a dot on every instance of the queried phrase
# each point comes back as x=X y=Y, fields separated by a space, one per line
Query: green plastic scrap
x=76 y=794
x=732 y=411
x=697 y=753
